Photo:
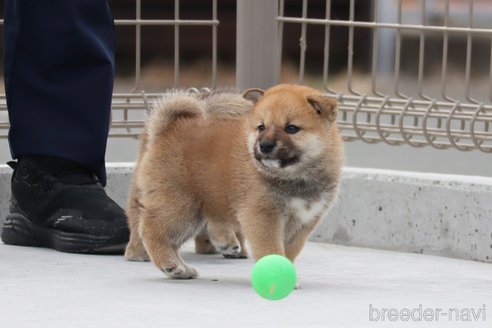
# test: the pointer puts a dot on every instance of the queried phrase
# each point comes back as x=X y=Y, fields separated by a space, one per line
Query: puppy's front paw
x=175 y=271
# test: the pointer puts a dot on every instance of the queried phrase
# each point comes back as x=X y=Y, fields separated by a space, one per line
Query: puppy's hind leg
x=203 y=244
x=135 y=250
x=223 y=236
x=164 y=229
x=244 y=252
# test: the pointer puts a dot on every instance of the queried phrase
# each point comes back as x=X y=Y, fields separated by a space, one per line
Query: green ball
x=274 y=277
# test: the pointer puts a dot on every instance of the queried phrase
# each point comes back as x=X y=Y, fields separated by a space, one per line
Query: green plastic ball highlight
x=274 y=277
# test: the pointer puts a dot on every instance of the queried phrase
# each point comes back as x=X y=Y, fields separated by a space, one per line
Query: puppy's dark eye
x=261 y=127
x=291 y=129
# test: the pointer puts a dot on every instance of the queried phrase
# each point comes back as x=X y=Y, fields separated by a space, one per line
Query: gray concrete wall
x=446 y=215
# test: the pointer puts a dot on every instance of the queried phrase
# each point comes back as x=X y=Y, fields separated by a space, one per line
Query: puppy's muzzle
x=272 y=154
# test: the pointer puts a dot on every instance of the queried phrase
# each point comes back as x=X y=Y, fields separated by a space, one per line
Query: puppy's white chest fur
x=306 y=211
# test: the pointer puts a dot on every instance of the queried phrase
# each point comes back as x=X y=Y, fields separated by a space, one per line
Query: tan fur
x=201 y=172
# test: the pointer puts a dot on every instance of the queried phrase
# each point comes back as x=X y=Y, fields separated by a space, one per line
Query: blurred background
x=155 y=54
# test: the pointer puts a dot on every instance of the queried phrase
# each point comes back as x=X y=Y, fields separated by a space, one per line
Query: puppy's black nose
x=267 y=146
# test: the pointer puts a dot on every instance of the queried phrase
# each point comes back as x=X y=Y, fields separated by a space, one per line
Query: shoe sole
x=18 y=230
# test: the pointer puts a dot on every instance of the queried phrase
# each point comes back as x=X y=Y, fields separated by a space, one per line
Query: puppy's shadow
x=212 y=259
x=192 y=257
x=207 y=280
x=234 y=272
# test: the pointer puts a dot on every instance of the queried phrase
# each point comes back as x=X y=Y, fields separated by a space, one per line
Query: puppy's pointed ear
x=253 y=95
x=325 y=106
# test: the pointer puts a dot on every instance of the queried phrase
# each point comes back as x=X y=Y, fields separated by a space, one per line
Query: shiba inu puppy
x=264 y=167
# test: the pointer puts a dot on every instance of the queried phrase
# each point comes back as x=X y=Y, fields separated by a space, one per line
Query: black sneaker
x=59 y=204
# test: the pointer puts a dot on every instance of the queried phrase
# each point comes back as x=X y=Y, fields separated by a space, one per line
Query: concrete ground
x=340 y=287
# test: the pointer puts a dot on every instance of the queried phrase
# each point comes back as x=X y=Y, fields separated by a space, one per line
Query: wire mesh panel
x=129 y=108
x=131 y=100
x=416 y=72
x=415 y=80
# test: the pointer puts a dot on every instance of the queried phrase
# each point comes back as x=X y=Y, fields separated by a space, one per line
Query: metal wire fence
x=129 y=108
x=375 y=114
x=379 y=107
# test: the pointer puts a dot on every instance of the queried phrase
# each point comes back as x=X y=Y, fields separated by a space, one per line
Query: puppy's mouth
x=276 y=162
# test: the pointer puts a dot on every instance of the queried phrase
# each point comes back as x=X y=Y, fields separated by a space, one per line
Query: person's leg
x=59 y=69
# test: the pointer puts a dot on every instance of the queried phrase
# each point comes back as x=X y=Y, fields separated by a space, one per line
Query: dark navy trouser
x=59 y=70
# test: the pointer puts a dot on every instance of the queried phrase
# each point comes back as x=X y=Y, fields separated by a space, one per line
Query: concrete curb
x=446 y=215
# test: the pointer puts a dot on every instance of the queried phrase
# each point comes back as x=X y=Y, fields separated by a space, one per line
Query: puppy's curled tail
x=171 y=108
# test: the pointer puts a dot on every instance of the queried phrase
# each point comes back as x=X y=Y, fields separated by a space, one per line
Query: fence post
x=256 y=44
